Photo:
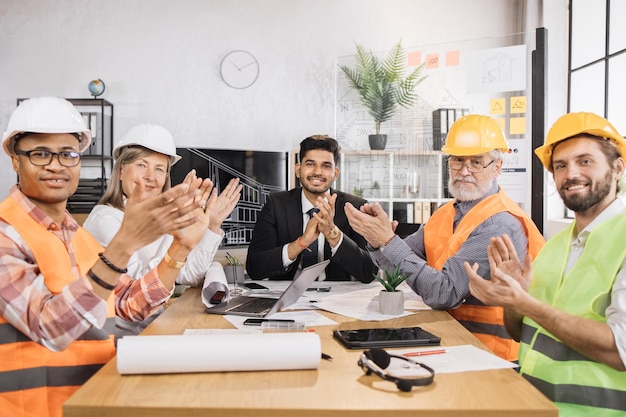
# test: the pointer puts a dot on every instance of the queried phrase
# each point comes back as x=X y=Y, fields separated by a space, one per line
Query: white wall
x=160 y=59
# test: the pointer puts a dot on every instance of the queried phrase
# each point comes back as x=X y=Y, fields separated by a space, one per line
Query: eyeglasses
x=41 y=157
x=474 y=166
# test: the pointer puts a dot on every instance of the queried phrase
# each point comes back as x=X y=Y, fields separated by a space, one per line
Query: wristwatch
x=173 y=263
x=334 y=233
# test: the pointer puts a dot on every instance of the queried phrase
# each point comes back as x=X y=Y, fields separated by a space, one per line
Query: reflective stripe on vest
x=33 y=379
x=441 y=242
x=578 y=385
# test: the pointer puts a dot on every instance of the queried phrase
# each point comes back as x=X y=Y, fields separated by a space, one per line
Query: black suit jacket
x=280 y=222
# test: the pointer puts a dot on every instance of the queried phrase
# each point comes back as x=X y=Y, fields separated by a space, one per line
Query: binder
x=417 y=216
x=425 y=211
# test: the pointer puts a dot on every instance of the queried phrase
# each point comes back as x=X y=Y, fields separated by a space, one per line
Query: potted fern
x=391 y=300
x=381 y=86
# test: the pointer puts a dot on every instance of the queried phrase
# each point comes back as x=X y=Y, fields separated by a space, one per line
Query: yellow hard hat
x=574 y=124
x=474 y=134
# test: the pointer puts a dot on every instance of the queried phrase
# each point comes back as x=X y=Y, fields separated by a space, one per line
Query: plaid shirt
x=56 y=321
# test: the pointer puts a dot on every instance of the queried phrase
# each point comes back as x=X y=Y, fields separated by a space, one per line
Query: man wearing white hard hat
x=143 y=159
x=568 y=307
x=59 y=289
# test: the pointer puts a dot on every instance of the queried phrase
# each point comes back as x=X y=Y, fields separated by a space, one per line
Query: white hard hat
x=150 y=136
x=45 y=115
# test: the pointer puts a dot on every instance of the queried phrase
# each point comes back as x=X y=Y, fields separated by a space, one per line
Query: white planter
x=391 y=303
x=233 y=271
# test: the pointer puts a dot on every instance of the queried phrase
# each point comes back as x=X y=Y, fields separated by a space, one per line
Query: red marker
x=426 y=352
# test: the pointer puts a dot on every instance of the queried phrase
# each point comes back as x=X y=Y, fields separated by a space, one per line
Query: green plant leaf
x=392 y=279
x=380 y=82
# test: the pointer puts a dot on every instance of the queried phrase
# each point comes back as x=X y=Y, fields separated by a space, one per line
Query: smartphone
x=254 y=286
x=257 y=322
x=319 y=289
x=217 y=297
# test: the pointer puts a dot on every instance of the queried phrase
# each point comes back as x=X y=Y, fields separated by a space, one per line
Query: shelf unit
x=408 y=185
x=97 y=160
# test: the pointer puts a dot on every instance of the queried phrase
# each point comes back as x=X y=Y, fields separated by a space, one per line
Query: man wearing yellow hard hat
x=568 y=308
x=458 y=232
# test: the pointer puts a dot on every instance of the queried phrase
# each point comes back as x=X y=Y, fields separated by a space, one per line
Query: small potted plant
x=391 y=300
x=381 y=86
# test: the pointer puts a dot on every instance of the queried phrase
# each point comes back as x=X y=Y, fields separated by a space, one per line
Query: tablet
x=386 y=338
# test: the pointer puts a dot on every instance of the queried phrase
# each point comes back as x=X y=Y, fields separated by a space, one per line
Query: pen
x=426 y=352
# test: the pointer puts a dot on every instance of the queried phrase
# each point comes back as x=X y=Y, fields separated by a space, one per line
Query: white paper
x=309 y=318
x=218 y=353
x=363 y=304
x=214 y=281
x=463 y=358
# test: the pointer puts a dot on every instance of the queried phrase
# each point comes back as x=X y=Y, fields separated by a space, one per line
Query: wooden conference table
x=337 y=387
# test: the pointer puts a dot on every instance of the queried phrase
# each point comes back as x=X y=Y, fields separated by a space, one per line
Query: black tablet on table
x=386 y=338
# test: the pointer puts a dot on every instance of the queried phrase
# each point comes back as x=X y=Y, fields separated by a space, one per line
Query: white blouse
x=103 y=223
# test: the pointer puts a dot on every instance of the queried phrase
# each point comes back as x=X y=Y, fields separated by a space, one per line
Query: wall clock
x=239 y=69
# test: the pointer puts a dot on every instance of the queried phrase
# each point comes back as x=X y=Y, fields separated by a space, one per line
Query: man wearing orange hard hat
x=568 y=308
x=458 y=232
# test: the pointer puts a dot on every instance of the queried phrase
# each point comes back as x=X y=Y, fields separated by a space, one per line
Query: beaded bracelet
x=100 y=282
x=110 y=264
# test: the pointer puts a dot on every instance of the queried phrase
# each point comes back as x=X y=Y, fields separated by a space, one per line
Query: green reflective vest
x=578 y=385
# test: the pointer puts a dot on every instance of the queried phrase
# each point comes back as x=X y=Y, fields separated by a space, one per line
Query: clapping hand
x=371 y=222
x=146 y=219
x=509 y=279
x=502 y=255
x=326 y=215
x=225 y=204
x=206 y=198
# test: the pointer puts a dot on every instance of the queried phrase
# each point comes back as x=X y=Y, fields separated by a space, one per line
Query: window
x=597 y=61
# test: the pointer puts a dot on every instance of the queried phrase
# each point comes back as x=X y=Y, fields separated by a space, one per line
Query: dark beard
x=597 y=192
x=313 y=191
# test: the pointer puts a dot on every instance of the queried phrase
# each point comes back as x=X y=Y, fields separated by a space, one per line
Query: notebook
x=243 y=305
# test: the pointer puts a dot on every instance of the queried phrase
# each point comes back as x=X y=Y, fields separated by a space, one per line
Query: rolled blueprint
x=214 y=281
x=218 y=353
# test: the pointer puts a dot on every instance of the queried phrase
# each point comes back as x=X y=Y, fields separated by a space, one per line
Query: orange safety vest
x=35 y=381
x=442 y=242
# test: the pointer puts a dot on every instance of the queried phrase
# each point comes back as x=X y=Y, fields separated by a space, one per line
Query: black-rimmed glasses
x=42 y=157
x=473 y=165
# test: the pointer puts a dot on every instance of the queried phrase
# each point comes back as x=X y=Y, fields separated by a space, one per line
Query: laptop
x=243 y=305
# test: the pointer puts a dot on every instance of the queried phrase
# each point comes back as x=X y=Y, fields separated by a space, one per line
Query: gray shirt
x=449 y=287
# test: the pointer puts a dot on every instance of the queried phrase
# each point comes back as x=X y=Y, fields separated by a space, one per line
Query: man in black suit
x=286 y=234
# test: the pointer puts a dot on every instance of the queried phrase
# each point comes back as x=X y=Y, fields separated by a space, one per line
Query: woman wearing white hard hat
x=143 y=158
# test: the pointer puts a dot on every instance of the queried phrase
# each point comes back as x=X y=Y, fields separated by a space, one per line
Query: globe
x=96 y=87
